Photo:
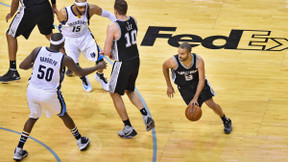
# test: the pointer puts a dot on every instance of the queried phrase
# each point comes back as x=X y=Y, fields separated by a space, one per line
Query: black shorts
x=188 y=91
x=27 y=18
x=123 y=76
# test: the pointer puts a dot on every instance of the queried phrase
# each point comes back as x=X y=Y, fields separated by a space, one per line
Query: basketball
x=193 y=113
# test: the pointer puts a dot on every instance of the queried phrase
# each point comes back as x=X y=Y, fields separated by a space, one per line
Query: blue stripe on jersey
x=62 y=103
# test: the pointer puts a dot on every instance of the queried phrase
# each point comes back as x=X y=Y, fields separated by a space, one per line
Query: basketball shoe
x=19 y=154
x=103 y=81
x=86 y=84
x=83 y=143
x=127 y=132
x=227 y=126
x=11 y=75
x=149 y=122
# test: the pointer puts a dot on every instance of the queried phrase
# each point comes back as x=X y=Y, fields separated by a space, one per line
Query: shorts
x=188 y=91
x=85 y=44
x=28 y=17
x=51 y=102
x=123 y=76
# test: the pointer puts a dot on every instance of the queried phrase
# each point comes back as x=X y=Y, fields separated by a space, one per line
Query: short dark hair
x=121 y=6
x=186 y=46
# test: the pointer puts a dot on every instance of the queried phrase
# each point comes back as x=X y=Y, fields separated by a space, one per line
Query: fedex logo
x=236 y=40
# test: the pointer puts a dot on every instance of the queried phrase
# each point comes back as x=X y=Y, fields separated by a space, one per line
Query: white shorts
x=85 y=44
x=51 y=102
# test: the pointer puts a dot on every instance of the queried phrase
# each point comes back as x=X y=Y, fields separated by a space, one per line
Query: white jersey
x=75 y=26
x=47 y=71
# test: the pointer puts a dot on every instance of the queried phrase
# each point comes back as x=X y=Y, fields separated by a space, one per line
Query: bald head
x=79 y=1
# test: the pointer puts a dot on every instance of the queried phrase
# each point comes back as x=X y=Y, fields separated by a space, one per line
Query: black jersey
x=125 y=47
x=31 y=3
x=183 y=75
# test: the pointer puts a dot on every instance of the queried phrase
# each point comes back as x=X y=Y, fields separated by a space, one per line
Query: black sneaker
x=69 y=73
x=11 y=75
x=227 y=126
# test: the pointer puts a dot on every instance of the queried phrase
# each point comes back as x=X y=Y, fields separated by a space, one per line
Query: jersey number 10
x=132 y=38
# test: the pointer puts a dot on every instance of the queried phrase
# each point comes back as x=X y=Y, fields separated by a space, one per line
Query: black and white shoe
x=127 y=132
x=149 y=122
x=83 y=143
x=227 y=126
x=11 y=75
x=19 y=154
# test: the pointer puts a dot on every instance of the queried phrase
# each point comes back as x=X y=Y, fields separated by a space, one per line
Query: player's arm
x=28 y=62
x=62 y=16
x=201 y=72
x=167 y=65
x=68 y=61
x=110 y=36
x=13 y=9
x=54 y=6
x=94 y=9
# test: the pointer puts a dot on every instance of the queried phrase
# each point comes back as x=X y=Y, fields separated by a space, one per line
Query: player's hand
x=194 y=102
x=101 y=52
x=170 y=91
x=102 y=65
x=9 y=16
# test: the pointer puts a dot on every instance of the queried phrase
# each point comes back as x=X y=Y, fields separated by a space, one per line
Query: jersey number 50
x=47 y=74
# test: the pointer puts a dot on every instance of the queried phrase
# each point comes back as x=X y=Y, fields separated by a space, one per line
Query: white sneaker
x=149 y=122
x=83 y=143
x=19 y=154
x=127 y=132
x=102 y=80
x=86 y=84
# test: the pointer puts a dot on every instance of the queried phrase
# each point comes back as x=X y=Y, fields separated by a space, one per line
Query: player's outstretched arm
x=68 y=61
x=94 y=9
x=28 y=62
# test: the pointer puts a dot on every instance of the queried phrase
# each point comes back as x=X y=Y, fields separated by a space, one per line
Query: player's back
x=125 y=47
x=47 y=70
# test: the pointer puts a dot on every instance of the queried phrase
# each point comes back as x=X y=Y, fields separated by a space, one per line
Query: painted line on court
x=153 y=130
x=34 y=139
x=142 y=99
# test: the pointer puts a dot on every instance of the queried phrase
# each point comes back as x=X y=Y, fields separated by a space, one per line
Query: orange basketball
x=193 y=113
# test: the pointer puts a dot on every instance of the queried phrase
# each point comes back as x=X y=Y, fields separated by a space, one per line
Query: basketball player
x=31 y=13
x=75 y=20
x=188 y=73
x=43 y=91
x=121 y=35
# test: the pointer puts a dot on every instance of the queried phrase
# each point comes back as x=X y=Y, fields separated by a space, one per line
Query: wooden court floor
x=244 y=46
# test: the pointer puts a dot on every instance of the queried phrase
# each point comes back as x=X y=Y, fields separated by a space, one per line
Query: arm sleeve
x=108 y=15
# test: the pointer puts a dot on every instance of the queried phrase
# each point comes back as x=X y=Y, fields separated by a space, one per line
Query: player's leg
x=207 y=97
x=46 y=20
x=134 y=96
x=57 y=104
x=82 y=142
x=35 y=113
x=91 y=50
x=117 y=86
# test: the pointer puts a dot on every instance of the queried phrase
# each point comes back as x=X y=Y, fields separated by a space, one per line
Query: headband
x=57 y=42
x=80 y=3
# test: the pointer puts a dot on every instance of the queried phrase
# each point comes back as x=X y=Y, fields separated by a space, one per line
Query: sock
x=224 y=118
x=13 y=65
x=23 y=139
x=75 y=133
x=127 y=122
x=143 y=111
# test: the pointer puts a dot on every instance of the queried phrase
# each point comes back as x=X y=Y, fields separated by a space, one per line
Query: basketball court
x=244 y=45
